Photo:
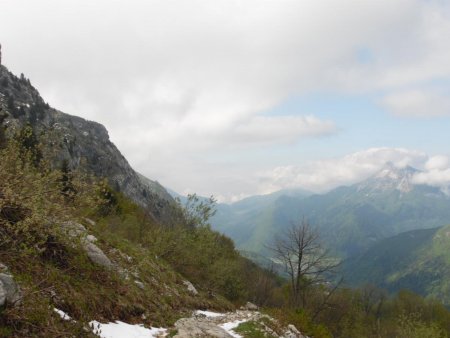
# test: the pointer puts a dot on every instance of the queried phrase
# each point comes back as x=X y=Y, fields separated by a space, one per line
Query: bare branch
x=306 y=262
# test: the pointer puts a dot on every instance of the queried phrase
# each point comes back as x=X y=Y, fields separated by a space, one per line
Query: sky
x=236 y=98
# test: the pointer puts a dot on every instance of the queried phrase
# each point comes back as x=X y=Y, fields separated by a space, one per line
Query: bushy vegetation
x=32 y=201
x=367 y=312
x=52 y=268
x=54 y=271
x=205 y=257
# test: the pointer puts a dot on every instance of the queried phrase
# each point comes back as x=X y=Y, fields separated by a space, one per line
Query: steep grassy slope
x=60 y=259
x=416 y=260
x=73 y=242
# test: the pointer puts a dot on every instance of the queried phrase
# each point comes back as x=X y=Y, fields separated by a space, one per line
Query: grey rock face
x=80 y=143
x=10 y=293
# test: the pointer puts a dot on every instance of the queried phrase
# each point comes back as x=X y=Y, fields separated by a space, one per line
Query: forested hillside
x=350 y=218
x=416 y=260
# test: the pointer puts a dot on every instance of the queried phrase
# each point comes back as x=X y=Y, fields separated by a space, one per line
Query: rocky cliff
x=78 y=142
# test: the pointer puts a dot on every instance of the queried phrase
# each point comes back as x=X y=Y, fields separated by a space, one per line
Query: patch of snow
x=232 y=325
x=387 y=173
x=123 y=330
x=62 y=314
x=209 y=313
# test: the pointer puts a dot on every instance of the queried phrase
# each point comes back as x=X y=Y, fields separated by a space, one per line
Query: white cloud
x=323 y=175
x=418 y=103
x=275 y=129
x=436 y=173
x=174 y=80
x=435 y=177
x=438 y=162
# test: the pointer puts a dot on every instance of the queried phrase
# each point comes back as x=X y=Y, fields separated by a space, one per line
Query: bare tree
x=372 y=299
x=305 y=260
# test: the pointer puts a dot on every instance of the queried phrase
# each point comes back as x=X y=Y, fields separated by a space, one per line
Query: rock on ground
x=211 y=324
x=95 y=254
x=199 y=327
x=2 y=294
x=250 y=306
x=10 y=293
x=191 y=288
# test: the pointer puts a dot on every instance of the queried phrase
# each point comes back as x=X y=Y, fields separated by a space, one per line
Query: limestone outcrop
x=78 y=143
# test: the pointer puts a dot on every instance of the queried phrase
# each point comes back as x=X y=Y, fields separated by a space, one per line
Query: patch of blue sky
x=364 y=55
x=363 y=123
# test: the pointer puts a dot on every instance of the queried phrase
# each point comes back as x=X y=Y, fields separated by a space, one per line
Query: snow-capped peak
x=391 y=177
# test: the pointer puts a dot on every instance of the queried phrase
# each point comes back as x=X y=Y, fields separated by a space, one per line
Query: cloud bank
x=418 y=103
x=321 y=176
x=181 y=83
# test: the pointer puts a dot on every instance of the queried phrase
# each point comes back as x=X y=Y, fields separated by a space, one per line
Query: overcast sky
x=235 y=98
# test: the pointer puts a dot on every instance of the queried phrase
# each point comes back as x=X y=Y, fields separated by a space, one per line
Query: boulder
x=293 y=332
x=10 y=293
x=96 y=255
x=91 y=238
x=74 y=229
x=139 y=284
x=89 y=221
x=191 y=288
x=196 y=327
x=3 y=268
x=2 y=294
x=250 y=307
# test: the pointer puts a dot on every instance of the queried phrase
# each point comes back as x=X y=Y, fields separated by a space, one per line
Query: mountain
x=417 y=260
x=388 y=179
x=76 y=263
x=350 y=218
x=78 y=143
x=250 y=220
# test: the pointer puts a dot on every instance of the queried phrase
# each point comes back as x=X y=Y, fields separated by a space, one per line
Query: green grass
x=88 y=292
x=252 y=329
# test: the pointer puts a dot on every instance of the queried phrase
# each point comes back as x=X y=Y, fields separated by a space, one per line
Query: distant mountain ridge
x=78 y=142
x=390 y=178
x=418 y=260
x=350 y=218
